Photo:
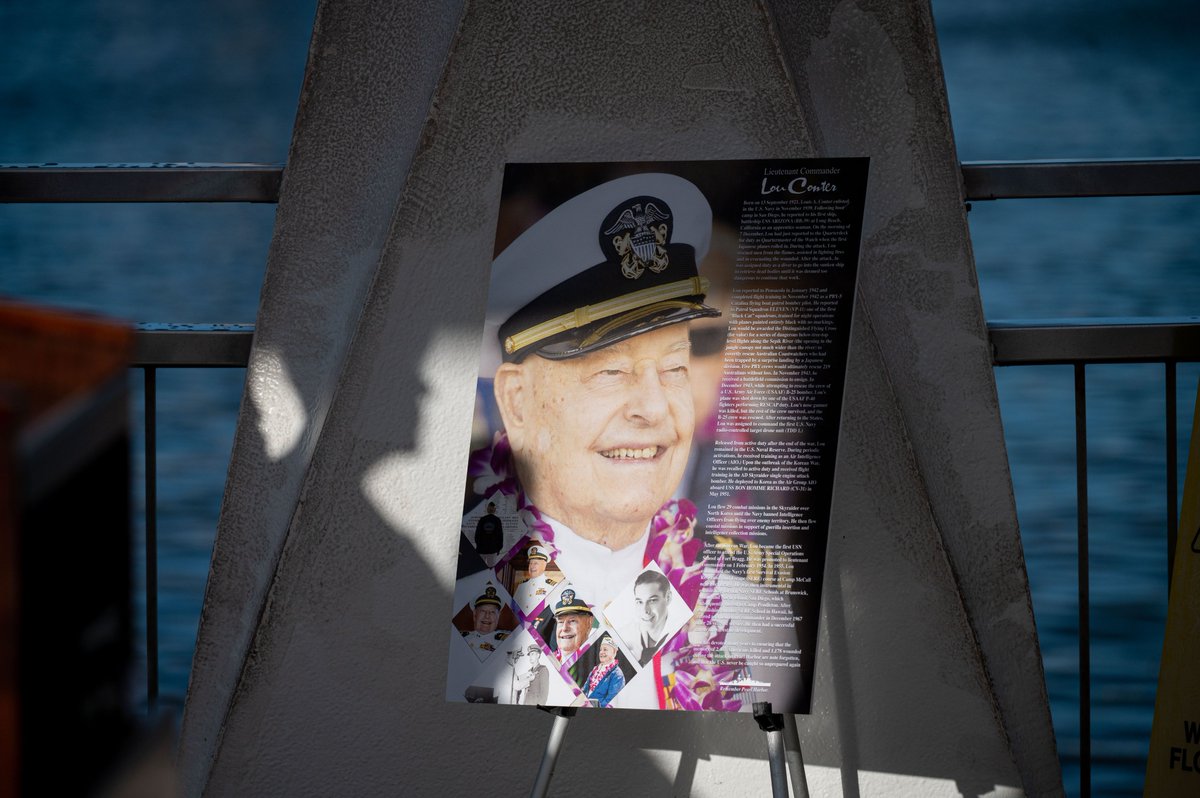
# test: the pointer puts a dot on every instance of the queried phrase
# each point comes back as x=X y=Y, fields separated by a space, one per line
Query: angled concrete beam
x=917 y=281
x=349 y=158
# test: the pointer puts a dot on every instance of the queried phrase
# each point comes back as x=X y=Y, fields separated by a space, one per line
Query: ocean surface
x=139 y=81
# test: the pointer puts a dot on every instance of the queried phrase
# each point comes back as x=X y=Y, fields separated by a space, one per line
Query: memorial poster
x=648 y=486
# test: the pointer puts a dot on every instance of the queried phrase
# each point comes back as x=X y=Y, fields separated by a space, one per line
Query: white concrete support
x=320 y=661
x=350 y=155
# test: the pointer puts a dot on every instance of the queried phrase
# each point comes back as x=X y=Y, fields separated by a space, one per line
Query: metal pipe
x=1014 y=343
x=193 y=345
x=258 y=182
x=795 y=759
x=562 y=715
x=1118 y=340
x=1044 y=179
x=150 y=410
x=776 y=757
x=1085 y=666
x=772 y=723
x=145 y=182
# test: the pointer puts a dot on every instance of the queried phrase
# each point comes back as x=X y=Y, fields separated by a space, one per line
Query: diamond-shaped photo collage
x=524 y=633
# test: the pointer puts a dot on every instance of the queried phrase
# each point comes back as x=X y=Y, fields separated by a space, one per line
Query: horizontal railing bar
x=1124 y=340
x=192 y=345
x=152 y=182
x=251 y=182
x=1046 y=179
x=1014 y=343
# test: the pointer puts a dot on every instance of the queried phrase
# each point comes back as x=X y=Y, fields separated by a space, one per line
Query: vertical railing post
x=1172 y=474
x=1085 y=667
x=150 y=409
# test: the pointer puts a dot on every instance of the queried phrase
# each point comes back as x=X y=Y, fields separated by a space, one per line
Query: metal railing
x=159 y=346
x=1082 y=343
x=1079 y=343
x=259 y=182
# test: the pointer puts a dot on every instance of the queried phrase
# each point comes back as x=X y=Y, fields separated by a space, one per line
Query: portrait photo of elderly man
x=485 y=636
x=588 y=356
x=537 y=586
x=605 y=679
x=572 y=626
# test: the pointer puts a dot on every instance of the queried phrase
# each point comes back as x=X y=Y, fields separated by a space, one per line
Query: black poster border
x=788 y=234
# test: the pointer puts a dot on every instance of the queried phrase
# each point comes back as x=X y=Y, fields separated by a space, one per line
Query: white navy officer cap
x=613 y=262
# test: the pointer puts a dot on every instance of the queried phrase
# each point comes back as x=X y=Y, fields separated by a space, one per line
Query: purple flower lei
x=699 y=671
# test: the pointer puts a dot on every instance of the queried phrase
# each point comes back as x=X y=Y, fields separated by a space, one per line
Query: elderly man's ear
x=512 y=394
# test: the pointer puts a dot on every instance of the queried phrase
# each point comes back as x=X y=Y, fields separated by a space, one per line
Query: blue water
x=1086 y=80
x=134 y=80
x=140 y=81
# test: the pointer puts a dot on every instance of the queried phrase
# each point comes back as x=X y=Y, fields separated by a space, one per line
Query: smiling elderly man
x=602 y=439
x=533 y=590
x=572 y=625
x=590 y=354
x=486 y=636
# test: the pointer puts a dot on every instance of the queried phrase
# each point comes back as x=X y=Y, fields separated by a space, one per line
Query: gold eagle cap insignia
x=640 y=239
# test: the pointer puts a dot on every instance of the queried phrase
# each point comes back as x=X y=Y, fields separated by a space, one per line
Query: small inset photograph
x=486 y=620
x=530 y=576
x=493 y=527
x=647 y=613
x=567 y=625
x=602 y=671
x=522 y=673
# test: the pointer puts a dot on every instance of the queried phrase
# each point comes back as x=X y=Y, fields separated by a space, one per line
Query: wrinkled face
x=651 y=603
x=572 y=631
x=607 y=654
x=602 y=439
x=487 y=616
x=536 y=567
